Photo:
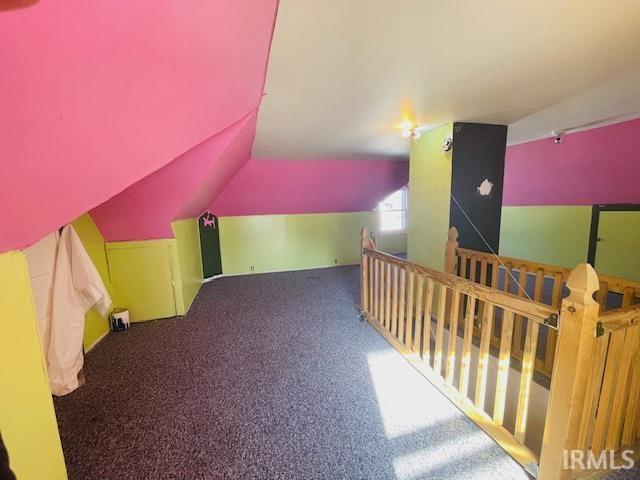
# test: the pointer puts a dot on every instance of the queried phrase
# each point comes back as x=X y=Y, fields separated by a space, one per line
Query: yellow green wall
x=27 y=419
x=157 y=278
x=96 y=326
x=558 y=235
x=189 y=258
x=289 y=242
x=429 y=198
x=144 y=274
x=391 y=242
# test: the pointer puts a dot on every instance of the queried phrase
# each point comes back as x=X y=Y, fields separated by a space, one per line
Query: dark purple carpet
x=268 y=376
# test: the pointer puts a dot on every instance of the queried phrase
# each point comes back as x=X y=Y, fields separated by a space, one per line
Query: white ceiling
x=340 y=70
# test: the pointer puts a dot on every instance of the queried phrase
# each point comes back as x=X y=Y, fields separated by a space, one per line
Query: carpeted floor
x=269 y=376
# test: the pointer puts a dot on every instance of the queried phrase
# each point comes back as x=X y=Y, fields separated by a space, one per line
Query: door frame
x=595 y=223
x=200 y=240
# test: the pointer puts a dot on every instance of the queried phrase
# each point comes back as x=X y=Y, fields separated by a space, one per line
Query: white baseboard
x=97 y=341
x=206 y=280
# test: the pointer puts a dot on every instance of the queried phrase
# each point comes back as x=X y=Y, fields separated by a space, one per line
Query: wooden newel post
x=572 y=367
x=451 y=252
x=364 y=270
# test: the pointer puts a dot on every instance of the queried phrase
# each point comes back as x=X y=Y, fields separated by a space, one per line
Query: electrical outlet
x=252 y=268
x=335 y=260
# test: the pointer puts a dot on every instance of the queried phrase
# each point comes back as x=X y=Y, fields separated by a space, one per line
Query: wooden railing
x=594 y=397
x=595 y=386
x=429 y=317
x=543 y=283
x=610 y=418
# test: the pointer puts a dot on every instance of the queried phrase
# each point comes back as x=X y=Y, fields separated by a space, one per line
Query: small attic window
x=392 y=212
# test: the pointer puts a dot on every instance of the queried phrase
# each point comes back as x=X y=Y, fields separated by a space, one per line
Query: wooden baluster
x=364 y=270
x=473 y=265
x=387 y=309
x=440 y=321
x=401 y=304
x=465 y=359
x=628 y=296
x=453 y=338
x=451 y=252
x=631 y=418
x=364 y=287
x=463 y=274
x=602 y=295
x=394 y=303
x=372 y=301
x=614 y=356
x=364 y=292
x=622 y=395
x=409 y=325
x=376 y=300
x=426 y=329
x=504 y=360
x=552 y=335
x=592 y=392
x=556 y=291
x=506 y=286
x=519 y=320
x=379 y=284
x=578 y=316
x=495 y=273
x=537 y=296
x=381 y=268
x=483 y=356
x=481 y=305
x=507 y=277
x=483 y=271
x=495 y=283
x=537 y=290
x=417 y=333
x=526 y=376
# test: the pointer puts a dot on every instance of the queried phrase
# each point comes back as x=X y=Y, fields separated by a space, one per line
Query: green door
x=618 y=245
x=210 y=245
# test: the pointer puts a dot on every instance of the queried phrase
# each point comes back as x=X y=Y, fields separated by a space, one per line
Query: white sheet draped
x=77 y=287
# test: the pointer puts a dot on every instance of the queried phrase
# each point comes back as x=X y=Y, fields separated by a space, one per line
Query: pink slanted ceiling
x=309 y=186
x=597 y=166
x=98 y=94
x=182 y=189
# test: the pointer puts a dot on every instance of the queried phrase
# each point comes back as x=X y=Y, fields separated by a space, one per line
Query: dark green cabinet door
x=210 y=245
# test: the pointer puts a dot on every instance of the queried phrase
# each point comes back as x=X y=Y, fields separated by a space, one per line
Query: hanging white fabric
x=77 y=287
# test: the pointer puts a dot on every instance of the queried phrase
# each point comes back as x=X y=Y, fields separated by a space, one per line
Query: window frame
x=403 y=210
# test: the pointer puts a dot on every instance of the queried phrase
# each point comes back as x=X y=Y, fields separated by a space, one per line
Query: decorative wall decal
x=209 y=221
x=447 y=144
x=485 y=187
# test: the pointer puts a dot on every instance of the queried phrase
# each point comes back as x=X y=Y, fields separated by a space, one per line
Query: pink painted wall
x=182 y=189
x=97 y=94
x=309 y=186
x=595 y=166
